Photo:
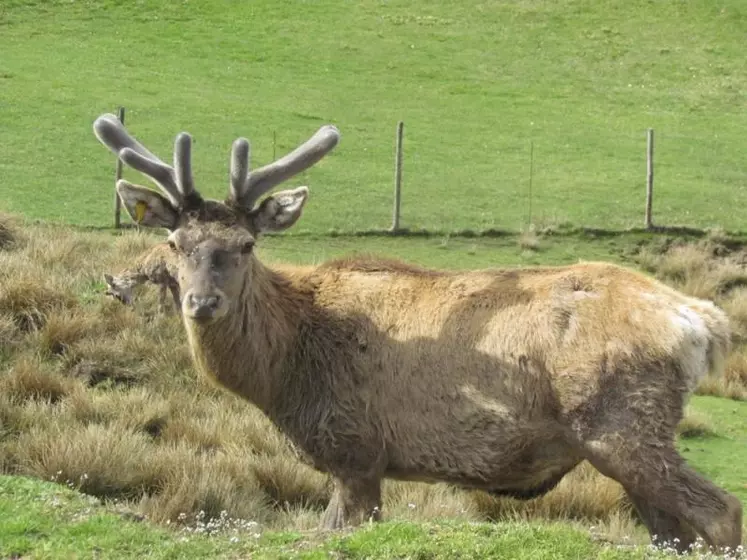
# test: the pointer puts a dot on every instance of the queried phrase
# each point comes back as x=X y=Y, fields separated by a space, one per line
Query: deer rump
x=501 y=380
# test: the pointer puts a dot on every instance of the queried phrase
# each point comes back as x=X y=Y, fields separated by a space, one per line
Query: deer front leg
x=353 y=502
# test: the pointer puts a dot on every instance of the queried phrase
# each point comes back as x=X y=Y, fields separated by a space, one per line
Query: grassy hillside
x=475 y=82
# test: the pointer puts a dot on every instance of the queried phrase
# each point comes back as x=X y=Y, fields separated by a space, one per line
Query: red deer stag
x=500 y=380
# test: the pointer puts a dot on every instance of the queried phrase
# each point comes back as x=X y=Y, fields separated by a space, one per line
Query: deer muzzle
x=204 y=308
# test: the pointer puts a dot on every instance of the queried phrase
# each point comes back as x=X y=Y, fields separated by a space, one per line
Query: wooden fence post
x=531 y=173
x=649 y=176
x=117 y=177
x=397 y=177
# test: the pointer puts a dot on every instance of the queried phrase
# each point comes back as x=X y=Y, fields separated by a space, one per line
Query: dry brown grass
x=583 y=494
x=10 y=334
x=423 y=502
x=104 y=397
x=693 y=269
x=694 y=424
x=209 y=483
x=28 y=299
x=288 y=483
x=735 y=304
x=9 y=231
x=100 y=460
x=733 y=384
x=30 y=379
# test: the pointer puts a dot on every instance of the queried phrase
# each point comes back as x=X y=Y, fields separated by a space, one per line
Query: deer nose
x=202 y=306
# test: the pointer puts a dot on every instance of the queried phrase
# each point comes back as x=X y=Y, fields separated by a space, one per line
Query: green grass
x=447 y=251
x=45 y=520
x=723 y=457
x=475 y=83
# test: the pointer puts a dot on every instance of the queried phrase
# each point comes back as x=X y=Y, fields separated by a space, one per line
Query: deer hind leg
x=626 y=428
x=665 y=529
x=353 y=502
x=675 y=496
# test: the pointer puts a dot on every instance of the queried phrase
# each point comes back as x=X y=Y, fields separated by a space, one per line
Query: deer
x=156 y=265
x=501 y=379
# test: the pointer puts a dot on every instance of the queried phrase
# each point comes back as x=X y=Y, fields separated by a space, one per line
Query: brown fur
x=500 y=380
x=156 y=265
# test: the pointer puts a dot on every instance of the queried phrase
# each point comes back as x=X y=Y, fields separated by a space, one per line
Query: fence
x=399 y=166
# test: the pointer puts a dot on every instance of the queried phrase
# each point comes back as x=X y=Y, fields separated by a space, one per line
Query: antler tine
x=239 y=166
x=303 y=157
x=183 y=168
x=112 y=134
x=161 y=174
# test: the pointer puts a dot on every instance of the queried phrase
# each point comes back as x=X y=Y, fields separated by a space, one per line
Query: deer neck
x=245 y=350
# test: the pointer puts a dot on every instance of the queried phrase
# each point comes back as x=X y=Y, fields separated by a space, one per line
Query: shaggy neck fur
x=245 y=351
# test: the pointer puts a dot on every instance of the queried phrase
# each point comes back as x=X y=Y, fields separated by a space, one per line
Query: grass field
x=475 y=82
x=103 y=399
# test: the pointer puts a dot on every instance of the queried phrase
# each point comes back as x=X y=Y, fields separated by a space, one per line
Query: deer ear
x=281 y=210
x=147 y=207
x=109 y=279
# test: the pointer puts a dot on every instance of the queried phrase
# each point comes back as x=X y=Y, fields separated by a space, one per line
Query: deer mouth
x=203 y=318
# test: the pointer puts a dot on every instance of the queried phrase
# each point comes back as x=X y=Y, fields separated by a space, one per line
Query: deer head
x=119 y=288
x=213 y=240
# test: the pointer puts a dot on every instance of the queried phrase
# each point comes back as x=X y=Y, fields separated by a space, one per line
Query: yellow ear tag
x=140 y=208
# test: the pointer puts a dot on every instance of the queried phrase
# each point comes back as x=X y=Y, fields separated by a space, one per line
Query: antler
x=239 y=167
x=176 y=182
x=246 y=187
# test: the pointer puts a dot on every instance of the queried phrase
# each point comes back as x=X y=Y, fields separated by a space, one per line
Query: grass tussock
x=583 y=494
x=98 y=460
x=288 y=483
x=529 y=239
x=8 y=232
x=29 y=299
x=63 y=329
x=733 y=384
x=695 y=268
x=29 y=379
x=210 y=422
x=422 y=502
x=10 y=334
x=204 y=487
x=18 y=417
x=735 y=304
x=695 y=424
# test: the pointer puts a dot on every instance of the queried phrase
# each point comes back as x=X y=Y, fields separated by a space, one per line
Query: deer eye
x=247 y=247
x=172 y=245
